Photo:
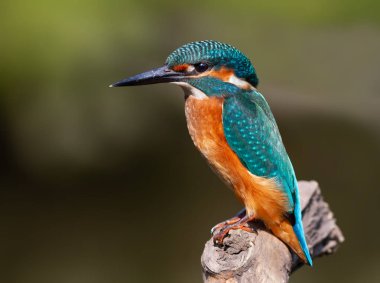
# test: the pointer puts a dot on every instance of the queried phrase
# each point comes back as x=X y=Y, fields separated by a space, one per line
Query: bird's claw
x=219 y=236
x=220 y=225
x=220 y=230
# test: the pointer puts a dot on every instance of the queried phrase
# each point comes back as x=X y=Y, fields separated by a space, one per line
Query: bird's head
x=202 y=68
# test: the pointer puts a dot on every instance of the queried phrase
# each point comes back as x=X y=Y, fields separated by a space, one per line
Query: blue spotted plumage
x=255 y=138
x=252 y=132
x=233 y=127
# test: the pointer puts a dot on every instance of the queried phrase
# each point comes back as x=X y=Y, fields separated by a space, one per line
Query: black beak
x=155 y=76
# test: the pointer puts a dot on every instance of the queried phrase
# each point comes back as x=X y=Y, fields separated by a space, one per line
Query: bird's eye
x=201 y=67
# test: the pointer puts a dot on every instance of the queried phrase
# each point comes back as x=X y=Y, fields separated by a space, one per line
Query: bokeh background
x=104 y=185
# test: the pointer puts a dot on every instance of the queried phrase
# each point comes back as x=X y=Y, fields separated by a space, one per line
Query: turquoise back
x=252 y=133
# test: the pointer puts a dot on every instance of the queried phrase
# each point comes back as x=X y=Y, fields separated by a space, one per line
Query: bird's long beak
x=155 y=76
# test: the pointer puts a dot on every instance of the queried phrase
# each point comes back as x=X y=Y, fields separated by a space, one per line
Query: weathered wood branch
x=261 y=257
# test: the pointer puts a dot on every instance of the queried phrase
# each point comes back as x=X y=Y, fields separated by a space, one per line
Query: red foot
x=241 y=214
x=224 y=228
x=223 y=224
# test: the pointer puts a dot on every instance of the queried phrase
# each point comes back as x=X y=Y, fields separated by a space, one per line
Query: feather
x=252 y=133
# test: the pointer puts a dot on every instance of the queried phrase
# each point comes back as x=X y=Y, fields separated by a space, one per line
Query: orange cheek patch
x=223 y=74
x=228 y=75
x=180 y=68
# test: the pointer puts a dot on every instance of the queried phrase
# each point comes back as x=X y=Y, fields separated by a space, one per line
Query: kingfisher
x=233 y=127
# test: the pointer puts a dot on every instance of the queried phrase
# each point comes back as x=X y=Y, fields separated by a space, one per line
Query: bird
x=233 y=127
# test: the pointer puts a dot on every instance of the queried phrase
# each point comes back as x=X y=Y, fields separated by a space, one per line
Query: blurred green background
x=104 y=185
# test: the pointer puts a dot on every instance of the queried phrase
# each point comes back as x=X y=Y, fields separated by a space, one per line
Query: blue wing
x=252 y=133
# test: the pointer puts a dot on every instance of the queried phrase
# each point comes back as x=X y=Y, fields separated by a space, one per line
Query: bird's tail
x=298 y=227
x=298 y=230
x=293 y=237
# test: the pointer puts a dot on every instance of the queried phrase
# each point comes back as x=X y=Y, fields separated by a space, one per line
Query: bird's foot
x=230 y=221
x=221 y=225
x=219 y=235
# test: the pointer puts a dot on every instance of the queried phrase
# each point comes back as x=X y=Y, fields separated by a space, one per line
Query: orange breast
x=259 y=195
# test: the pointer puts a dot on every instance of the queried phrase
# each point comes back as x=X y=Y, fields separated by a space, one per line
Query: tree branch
x=261 y=257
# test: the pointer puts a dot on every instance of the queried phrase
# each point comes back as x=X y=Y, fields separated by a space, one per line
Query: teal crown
x=216 y=53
